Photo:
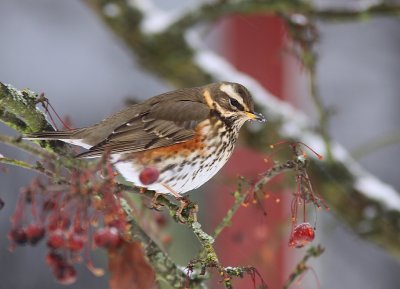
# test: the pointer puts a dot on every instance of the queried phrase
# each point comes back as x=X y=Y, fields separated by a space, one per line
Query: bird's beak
x=255 y=116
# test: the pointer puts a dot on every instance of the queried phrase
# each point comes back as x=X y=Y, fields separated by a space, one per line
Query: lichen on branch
x=18 y=110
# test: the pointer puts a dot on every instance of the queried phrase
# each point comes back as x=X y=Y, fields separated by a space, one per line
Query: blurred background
x=63 y=49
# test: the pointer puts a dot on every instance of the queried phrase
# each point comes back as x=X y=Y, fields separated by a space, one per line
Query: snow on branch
x=295 y=123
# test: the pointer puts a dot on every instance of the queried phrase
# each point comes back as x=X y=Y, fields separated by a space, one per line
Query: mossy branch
x=38 y=168
x=165 y=268
x=18 y=110
x=32 y=119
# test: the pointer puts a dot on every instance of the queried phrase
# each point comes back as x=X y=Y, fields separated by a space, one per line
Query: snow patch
x=16 y=94
x=156 y=20
x=377 y=190
x=111 y=10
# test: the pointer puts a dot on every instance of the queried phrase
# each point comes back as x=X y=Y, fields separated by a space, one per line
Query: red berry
x=302 y=235
x=65 y=273
x=49 y=205
x=54 y=259
x=58 y=222
x=148 y=176
x=107 y=237
x=18 y=236
x=76 y=242
x=56 y=239
x=35 y=233
x=161 y=220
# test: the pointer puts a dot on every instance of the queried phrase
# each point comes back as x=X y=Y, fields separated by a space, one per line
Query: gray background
x=62 y=49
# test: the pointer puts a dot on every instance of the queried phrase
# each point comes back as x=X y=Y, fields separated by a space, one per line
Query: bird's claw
x=193 y=208
x=154 y=204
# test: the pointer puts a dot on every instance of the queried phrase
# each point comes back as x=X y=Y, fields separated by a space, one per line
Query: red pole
x=254 y=45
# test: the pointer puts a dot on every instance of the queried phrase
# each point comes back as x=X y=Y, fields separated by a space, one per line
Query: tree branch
x=18 y=110
x=168 y=54
x=36 y=168
x=165 y=268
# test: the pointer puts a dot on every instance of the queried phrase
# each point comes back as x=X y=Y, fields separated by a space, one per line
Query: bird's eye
x=236 y=104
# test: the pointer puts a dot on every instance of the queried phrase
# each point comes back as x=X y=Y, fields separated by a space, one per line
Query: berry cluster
x=74 y=218
x=31 y=234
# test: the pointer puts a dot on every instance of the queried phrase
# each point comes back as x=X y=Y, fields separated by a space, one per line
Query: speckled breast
x=184 y=166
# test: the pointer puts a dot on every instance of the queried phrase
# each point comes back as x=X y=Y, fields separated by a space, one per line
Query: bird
x=171 y=143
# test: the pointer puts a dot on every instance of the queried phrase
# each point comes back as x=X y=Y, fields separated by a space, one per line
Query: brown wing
x=165 y=122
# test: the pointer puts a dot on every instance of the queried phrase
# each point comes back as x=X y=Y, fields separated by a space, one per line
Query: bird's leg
x=184 y=203
x=154 y=204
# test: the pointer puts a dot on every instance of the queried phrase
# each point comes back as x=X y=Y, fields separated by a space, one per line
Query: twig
x=302 y=267
x=240 y=197
x=160 y=261
x=34 y=150
x=323 y=113
x=226 y=221
x=209 y=257
x=172 y=208
x=274 y=171
x=36 y=168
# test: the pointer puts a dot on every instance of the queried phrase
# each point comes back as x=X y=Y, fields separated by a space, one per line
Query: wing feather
x=164 y=123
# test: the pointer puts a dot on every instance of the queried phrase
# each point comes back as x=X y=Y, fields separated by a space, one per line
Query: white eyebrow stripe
x=229 y=90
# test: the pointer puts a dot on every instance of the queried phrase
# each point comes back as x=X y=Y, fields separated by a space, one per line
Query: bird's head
x=232 y=102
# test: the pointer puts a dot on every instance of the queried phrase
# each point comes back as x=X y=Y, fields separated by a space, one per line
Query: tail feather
x=68 y=136
x=52 y=135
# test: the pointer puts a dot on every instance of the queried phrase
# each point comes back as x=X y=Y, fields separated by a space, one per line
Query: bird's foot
x=185 y=204
x=154 y=204
x=192 y=208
